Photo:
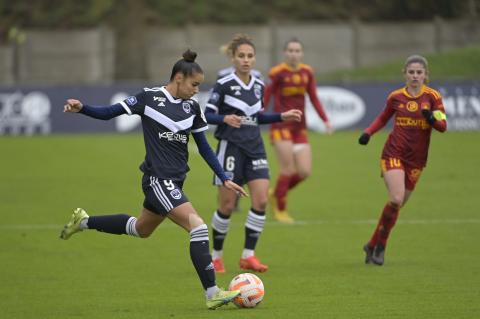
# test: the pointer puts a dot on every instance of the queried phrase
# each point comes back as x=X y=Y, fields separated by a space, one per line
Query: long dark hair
x=187 y=66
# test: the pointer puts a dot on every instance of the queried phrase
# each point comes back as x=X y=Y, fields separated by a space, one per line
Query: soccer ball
x=251 y=290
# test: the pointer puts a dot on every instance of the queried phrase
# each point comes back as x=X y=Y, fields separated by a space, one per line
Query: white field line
x=276 y=224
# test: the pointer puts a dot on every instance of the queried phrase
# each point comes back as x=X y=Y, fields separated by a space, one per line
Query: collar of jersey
x=290 y=69
x=170 y=98
x=242 y=84
x=422 y=90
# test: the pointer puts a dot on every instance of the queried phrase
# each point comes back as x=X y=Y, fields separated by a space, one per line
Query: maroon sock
x=385 y=224
x=390 y=215
x=294 y=180
x=374 y=239
x=281 y=191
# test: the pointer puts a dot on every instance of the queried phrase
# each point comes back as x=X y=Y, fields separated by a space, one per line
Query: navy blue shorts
x=239 y=166
x=162 y=195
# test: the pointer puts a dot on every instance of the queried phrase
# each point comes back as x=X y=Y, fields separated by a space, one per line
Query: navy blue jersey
x=167 y=123
x=230 y=95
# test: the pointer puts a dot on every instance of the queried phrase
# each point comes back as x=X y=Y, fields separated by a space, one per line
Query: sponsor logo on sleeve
x=131 y=100
x=215 y=97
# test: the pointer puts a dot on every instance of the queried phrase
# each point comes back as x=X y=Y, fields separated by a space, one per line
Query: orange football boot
x=252 y=263
x=218 y=265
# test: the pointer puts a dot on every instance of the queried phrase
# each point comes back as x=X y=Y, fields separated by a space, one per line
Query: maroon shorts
x=412 y=174
x=296 y=136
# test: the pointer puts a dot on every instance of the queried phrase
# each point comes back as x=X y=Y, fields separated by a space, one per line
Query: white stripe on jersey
x=259 y=81
x=226 y=79
x=155 y=89
x=221 y=158
x=125 y=106
x=242 y=106
x=169 y=96
x=157 y=189
x=212 y=107
x=167 y=122
x=242 y=84
x=203 y=128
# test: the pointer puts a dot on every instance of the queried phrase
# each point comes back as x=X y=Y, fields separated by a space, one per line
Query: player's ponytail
x=187 y=65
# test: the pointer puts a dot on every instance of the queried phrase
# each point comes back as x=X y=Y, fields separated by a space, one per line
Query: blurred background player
x=168 y=117
x=235 y=106
x=289 y=81
x=417 y=109
x=225 y=49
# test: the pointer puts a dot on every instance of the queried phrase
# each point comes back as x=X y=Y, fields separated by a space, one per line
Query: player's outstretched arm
x=436 y=119
x=97 y=112
x=329 y=128
x=72 y=106
x=234 y=187
x=209 y=156
x=363 y=139
x=214 y=118
x=289 y=116
x=292 y=116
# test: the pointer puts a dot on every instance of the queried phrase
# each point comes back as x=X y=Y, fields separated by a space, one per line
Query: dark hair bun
x=189 y=56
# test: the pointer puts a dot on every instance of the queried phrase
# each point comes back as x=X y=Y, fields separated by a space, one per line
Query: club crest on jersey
x=412 y=106
x=176 y=194
x=257 y=89
x=236 y=89
x=131 y=100
x=186 y=107
x=215 y=97
x=160 y=99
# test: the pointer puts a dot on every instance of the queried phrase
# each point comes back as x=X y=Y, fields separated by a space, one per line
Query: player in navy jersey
x=168 y=117
x=235 y=106
x=225 y=49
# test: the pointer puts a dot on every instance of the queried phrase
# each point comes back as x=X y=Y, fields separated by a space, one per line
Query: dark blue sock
x=200 y=255
x=219 y=237
x=253 y=228
x=112 y=224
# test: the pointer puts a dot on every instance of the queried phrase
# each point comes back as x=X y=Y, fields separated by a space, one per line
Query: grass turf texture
x=316 y=265
x=456 y=64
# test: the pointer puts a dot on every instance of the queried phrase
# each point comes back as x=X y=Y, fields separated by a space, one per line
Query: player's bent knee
x=144 y=233
x=227 y=207
x=261 y=204
x=303 y=174
x=288 y=171
x=396 y=200
x=195 y=221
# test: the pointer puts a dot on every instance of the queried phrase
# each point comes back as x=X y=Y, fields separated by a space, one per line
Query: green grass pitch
x=432 y=267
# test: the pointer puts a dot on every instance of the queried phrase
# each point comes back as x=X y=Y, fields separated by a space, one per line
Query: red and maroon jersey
x=410 y=137
x=288 y=87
